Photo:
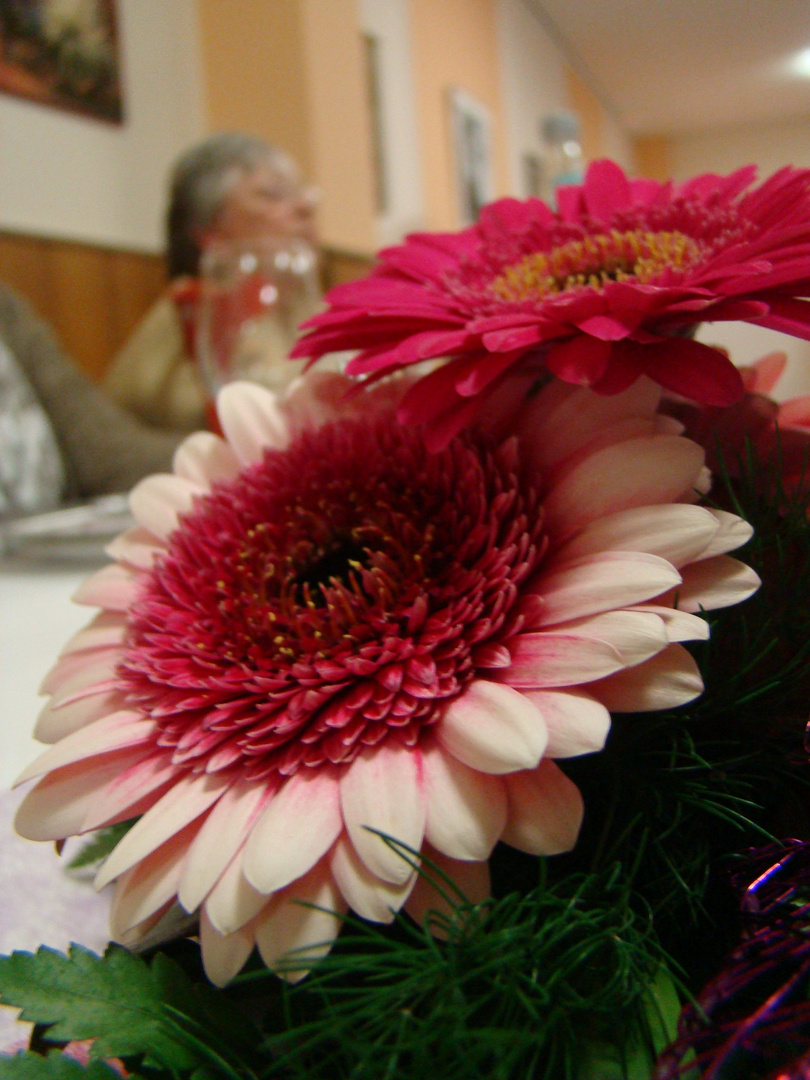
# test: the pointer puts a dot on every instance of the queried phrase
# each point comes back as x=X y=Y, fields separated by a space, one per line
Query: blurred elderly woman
x=231 y=188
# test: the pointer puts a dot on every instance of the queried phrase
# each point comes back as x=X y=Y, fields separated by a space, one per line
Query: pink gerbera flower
x=319 y=629
x=600 y=292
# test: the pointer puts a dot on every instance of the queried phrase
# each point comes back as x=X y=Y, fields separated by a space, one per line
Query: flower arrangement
x=443 y=698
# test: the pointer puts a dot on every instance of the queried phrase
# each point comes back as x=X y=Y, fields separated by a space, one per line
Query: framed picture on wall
x=63 y=54
x=471 y=128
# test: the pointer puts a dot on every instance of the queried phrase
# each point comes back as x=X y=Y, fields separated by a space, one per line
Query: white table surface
x=40 y=903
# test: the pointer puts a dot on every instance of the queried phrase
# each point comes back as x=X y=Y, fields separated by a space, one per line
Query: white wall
x=769 y=146
x=70 y=177
x=533 y=83
x=388 y=22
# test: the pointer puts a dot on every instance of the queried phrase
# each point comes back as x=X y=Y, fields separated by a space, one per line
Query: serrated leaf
x=117 y=999
x=56 y=1066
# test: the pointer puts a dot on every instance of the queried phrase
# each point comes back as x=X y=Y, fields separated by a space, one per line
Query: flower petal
x=466 y=809
x=383 y=790
x=301 y=925
x=159 y=501
x=435 y=905
x=298 y=827
x=251 y=420
x=366 y=894
x=204 y=458
x=676 y=532
x=577 y=723
x=665 y=681
x=224 y=955
x=493 y=728
x=545 y=810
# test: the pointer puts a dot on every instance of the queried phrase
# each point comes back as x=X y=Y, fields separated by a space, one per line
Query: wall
x=388 y=22
x=293 y=73
x=454 y=47
x=70 y=177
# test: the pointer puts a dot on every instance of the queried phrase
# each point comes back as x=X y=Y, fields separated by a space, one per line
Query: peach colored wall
x=291 y=71
x=454 y=47
x=653 y=156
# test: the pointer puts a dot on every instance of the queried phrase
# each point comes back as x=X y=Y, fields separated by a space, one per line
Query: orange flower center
x=595 y=260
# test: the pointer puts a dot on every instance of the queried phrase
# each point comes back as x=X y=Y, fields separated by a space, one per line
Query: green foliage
x=151 y=1011
x=53 y=1067
x=99 y=845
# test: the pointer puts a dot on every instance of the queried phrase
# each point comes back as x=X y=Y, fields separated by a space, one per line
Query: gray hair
x=200 y=182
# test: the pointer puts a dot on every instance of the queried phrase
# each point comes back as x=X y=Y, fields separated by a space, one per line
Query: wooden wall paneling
x=93 y=297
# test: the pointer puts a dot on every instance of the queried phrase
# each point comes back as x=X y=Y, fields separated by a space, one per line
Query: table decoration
x=441 y=697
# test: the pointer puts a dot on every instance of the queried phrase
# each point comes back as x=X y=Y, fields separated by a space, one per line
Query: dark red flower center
x=331 y=596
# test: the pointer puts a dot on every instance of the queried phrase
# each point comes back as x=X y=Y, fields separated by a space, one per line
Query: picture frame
x=63 y=54
x=471 y=127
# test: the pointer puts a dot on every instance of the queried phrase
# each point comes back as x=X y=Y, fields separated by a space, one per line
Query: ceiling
x=671 y=66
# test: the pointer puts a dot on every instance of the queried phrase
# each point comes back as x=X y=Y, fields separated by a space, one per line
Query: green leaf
x=127 y=1006
x=56 y=1066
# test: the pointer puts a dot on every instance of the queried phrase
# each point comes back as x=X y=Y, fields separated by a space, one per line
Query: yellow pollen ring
x=595 y=260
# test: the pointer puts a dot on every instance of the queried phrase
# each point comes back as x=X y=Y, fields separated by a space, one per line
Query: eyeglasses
x=287 y=191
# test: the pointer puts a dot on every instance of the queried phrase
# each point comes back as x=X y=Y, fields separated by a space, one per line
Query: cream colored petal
x=118 y=731
x=185 y=801
x=158 y=502
x=107 y=628
x=576 y=722
x=716 y=583
x=466 y=809
x=384 y=790
x=732 y=533
x=366 y=894
x=300 y=926
x=114 y=587
x=204 y=458
x=233 y=901
x=676 y=532
x=434 y=903
x=295 y=830
x=545 y=810
x=137 y=547
x=224 y=955
x=637 y=472
x=669 y=679
x=223 y=834
x=493 y=728
x=251 y=420
x=57 y=720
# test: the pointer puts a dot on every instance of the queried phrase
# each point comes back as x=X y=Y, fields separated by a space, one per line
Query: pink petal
x=136 y=547
x=383 y=790
x=251 y=420
x=581 y=360
x=466 y=809
x=204 y=458
x=301 y=925
x=576 y=722
x=694 y=370
x=545 y=810
x=132 y=790
x=597 y=583
x=606 y=189
x=106 y=628
x=114 y=587
x=551 y=431
x=635 y=635
x=57 y=720
x=493 y=728
x=221 y=836
x=159 y=501
x=667 y=680
x=638 y=472
x=551 y=660
x=299 y=826
x=367 y=895
x=675 y=532
x=427 y=905
x=190 y=797
x=76 y=671
x=57 y=806
x=223 y=955
x=119 y=730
